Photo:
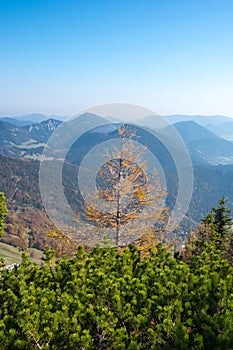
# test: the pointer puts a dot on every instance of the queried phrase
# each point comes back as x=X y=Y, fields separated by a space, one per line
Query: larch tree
x=127 y=204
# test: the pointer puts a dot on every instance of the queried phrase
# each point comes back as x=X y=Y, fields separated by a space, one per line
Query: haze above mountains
x=210 y=122
x=208 y=138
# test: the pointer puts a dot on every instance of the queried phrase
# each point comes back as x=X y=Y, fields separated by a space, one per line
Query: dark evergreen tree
x=222 y=218
x=3 y=212
x=215 y=229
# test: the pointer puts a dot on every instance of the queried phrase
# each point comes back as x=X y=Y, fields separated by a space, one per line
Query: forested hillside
x=19 y=180
x=27 y=224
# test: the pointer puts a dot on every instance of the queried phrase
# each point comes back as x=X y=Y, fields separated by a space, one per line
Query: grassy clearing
x=10 y=254
x=13 y=255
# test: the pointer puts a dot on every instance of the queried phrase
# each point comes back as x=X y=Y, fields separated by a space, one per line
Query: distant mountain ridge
x=200 y=119
x=16 y=122
x=191 y=131
x=32 y=118
x=220 y=125
x=206 y=146
x=11 y=134
x=43 y=130
x=208 y=138
x=26 y=140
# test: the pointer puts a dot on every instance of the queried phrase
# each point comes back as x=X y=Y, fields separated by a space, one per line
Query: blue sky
x=58 y=56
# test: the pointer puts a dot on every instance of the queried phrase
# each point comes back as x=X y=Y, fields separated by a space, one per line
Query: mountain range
x=22 y=144
x=29 y=119
x=27 y=140
x=220 y=125
x=206 y=144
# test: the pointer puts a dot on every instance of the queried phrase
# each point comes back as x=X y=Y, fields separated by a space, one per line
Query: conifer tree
x=3 y=212
x=133 y=202
x=215 y=229
x=222 y=218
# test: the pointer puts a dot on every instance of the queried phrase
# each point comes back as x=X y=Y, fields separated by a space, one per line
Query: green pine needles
x=105 y=299
x=123 y=300
x=3 y=212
